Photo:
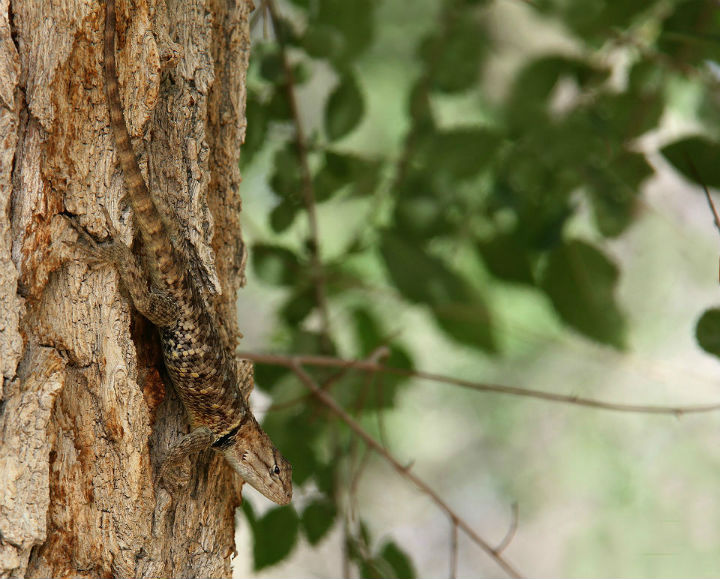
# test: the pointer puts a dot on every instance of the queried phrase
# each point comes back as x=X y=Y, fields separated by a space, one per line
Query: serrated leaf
x=702 y=153
x=398 y=560
x=274 y=536
x=275 y=265
x=707 y=331
x=317 y=519
x=580 y=281
x=344 y=109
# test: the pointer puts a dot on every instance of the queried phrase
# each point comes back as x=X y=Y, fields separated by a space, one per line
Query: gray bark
x=85 y=417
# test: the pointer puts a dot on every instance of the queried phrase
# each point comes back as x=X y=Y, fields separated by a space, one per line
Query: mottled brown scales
x=211 y=385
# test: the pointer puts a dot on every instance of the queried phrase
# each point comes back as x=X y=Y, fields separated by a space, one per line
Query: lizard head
x=253 y=456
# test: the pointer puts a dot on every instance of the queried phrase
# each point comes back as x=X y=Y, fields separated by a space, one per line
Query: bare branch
x=328 y=401
x=507 y=539
x=327 y=361
x=453 y=549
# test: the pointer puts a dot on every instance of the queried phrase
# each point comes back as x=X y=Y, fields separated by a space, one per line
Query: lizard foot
x=107 y=252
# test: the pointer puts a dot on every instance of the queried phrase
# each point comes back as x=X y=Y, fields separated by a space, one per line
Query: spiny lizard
x=211 y=384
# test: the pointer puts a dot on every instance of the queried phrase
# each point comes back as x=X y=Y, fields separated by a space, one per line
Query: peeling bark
x=85 y=418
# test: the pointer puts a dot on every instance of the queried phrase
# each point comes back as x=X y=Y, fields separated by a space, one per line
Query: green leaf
x=593 y=21
x=459 y=153
x=283 y=215
x=353 y=21
x=344 y=109
x=267 y=376
x=274 y=536
x=419 y=276
x=323 y=41
x=286 y=180
x=257 y=127
x=317 y=519
x=457 y=308
x=533 y=86
x=690 y=34
x=507 y=258
x=707 y=331
x=421 y=211
x=271 y=67
x=453 y=61
x=343 y=169
x=299 y=305
x=398 y=560
x=275 y=265
x=614 y=190
x=702 y=153
x=468 y=323
x=580 y=281
x=383 y=390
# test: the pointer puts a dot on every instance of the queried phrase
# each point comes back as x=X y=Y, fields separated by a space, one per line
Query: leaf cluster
x=526 y=189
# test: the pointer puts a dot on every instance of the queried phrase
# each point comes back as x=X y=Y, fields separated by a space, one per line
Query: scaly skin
x=212 y=387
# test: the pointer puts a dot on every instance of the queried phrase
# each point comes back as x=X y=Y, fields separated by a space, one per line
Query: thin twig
x=453 y=549
x=507 y=539
x=308 y=189
x=327 y=361
x=328 y=401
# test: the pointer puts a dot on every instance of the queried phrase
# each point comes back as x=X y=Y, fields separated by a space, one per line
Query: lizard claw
x=109 y=223
x=96 y=253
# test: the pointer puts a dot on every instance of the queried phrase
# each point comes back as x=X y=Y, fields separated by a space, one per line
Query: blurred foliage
x=458 y=205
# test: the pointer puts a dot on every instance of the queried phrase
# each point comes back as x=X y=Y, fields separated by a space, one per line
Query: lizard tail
x=148 y=220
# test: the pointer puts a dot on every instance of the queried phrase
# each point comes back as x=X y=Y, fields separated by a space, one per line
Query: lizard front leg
x=152 y=303
x=174 y=470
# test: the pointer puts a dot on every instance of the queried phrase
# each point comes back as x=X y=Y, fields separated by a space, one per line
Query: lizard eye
x=276 y=470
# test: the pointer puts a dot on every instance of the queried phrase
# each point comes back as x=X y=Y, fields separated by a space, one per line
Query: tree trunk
x=86 y=418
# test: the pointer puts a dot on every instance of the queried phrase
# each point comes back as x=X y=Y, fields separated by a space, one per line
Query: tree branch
x=328 y=361
x=328 y=401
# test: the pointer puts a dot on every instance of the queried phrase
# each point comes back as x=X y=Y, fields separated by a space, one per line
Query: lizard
x=211 y=384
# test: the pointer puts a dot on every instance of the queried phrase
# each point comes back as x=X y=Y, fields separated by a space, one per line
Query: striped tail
x=147 y=218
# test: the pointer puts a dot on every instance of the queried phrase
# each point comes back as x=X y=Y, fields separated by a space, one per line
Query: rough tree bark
x=84 y=415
